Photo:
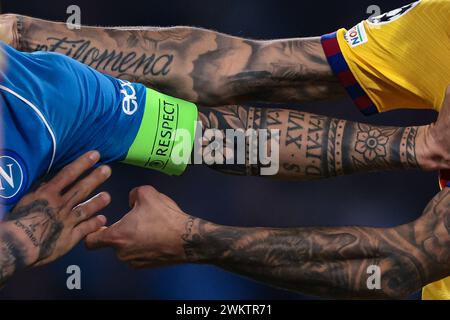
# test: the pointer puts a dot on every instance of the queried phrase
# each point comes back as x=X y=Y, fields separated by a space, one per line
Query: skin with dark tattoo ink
x=329 y=262
x=50 y=221
x=195 y=64
x=313 y=146
x=11 y=256
x=40 y=223
x=332 y=262
x=213 y=68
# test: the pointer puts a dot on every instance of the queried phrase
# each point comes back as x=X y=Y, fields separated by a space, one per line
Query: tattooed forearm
x=313 y=146
x=331 y=262
x=191 y=63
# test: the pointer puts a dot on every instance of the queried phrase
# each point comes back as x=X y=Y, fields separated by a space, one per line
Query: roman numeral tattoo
x=314 y=146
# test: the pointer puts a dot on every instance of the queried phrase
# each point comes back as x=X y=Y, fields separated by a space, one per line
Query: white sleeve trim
x=41 y=116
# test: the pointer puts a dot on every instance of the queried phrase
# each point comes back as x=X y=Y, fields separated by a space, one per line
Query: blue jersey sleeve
x=26 y=149
x=86 y=109
x=76 y=108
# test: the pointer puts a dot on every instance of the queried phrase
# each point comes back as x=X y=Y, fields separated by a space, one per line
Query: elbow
x=10 y=26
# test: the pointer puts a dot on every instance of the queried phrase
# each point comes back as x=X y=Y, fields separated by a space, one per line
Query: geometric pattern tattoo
x=313 y=146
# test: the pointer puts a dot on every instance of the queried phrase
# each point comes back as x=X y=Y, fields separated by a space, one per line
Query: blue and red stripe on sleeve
x=342 y=71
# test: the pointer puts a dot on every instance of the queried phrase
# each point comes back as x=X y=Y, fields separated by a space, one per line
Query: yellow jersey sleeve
x=439 y=290
x=397 y=60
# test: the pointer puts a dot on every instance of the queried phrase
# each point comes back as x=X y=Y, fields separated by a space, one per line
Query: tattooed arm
x=313 y=146
x=47 y=223
x=191 y=63
x=330 y=262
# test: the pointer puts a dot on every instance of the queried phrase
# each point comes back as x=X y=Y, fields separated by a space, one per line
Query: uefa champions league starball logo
x=392 y=15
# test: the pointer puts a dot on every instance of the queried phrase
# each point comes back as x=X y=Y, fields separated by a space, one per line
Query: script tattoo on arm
x=191 y=63
x=331 y=262
x=314 y=146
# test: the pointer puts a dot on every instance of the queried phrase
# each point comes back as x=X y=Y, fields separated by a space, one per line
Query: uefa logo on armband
x=12 y=177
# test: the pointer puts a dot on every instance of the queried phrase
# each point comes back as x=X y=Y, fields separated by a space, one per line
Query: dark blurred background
x=381 y=199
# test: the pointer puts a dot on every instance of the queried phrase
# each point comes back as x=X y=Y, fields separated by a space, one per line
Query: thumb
x=99 y=239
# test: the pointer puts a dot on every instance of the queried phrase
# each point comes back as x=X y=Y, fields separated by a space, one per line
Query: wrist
x=20 y=243
x=201 y=243
x=431 y=152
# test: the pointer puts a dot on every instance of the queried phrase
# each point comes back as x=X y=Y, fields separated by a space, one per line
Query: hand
x=432 y=232
x=150 y=235
x=436 y=138
x=52 y=220
x=8 y=30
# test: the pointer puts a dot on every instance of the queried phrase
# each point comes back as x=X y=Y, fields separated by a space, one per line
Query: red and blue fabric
x=342 y=71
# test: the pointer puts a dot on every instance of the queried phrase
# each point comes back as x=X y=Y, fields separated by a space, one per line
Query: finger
x=99 y=239
x=88 y=227
x=90 y=207
x=73 y=171
x=83 y=188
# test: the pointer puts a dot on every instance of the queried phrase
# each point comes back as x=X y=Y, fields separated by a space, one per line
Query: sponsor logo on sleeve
x=12 y=177
x=393 y=15
x=357 y=35
x=129 y=101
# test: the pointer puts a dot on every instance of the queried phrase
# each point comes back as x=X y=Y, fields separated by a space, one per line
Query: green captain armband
x=166 y=136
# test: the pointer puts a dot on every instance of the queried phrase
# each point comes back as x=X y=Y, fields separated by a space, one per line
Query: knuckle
x=51 y=198
x=94 y=224
x=86 y=229
x=44 y=185
x=145 y=191
x=70 y=171
x=118 y=242
x=80 y=233
x=44 y=189
x=79 y=212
